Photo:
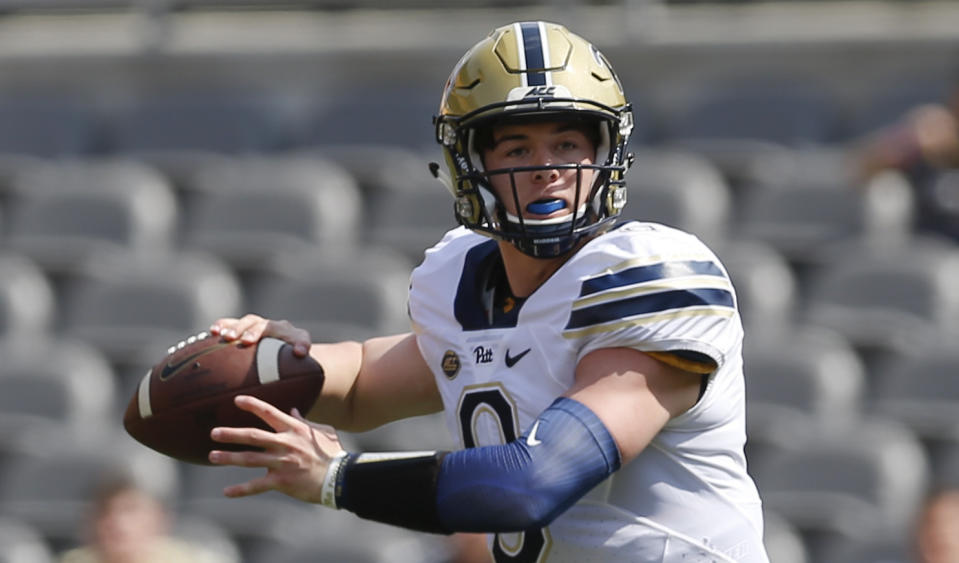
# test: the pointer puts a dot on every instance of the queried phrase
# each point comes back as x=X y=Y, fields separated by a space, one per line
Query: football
x=191 y=391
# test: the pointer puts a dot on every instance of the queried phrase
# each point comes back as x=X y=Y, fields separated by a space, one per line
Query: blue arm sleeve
x=533 y=479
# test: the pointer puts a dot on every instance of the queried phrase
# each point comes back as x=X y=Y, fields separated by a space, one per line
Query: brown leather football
x=191 y=391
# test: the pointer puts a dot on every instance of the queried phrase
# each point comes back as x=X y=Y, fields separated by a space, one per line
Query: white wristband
x=328 y=492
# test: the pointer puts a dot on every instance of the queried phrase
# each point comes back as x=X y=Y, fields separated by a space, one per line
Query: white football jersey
x=687 y=497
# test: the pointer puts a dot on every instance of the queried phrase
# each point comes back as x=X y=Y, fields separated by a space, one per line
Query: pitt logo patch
x=483 y=355
x=450 y=364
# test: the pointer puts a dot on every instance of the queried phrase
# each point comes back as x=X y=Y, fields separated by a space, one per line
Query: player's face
x=548 y=192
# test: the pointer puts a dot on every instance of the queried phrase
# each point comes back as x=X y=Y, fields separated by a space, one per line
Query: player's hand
x=249 y=329
x=295 y=455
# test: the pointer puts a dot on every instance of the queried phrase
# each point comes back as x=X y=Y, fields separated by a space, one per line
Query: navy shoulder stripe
x=650 y=272
x=649 y=303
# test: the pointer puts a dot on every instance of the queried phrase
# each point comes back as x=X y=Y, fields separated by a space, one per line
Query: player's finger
x=250 y=329
x=297 y=337
x=244 y=459
x=252 y=487
x=226 y=329
x=277 y=419
x=245 y=436
x=222 y=325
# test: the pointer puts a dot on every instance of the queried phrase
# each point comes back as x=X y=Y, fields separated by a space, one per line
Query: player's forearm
x=372 y=383
x=507 y=488
x=341 y=364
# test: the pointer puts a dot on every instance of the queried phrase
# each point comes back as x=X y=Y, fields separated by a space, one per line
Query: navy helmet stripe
x=533 y=46
x=651 y=272
x=649 y=303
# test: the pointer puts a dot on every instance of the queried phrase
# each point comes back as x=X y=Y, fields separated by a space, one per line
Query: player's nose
x=544 y=158
x=546 y=174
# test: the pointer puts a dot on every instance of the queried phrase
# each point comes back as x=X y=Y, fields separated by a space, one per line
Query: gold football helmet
x=523 y=71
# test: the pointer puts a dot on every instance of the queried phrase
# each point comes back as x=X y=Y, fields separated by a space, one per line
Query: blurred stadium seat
x=55 y=383
x=250 y=521
x=221 y=121
x=411 y=221
x=209 y=534
x=348 y=539
x=829 y=166
x=846 y=483
x=364 y=115
x=681 y=190
x=41 y=125
x=884 y=548
x=22 y=543
x=767 y=291
x=946 y=469
x=939 y=205
x=894 y=94
x=379 y=168
x=733 y=119
x=49 y=484
x=784 y=544
x=811 y=223
x=132 y=307
x=889 y=301
x=365 y=290
x=27 y=299
x=805 y=369
x=245 y=210
x=62 y=212
x=799 y=381
x=788 y=110
x=920 y=388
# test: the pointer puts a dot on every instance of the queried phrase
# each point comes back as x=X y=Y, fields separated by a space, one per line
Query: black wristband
x=394 y=488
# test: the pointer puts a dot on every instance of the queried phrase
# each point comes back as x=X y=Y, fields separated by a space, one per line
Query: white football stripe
x=143 y=397
x=520 y=52
x=544 y=41
x=268 y=360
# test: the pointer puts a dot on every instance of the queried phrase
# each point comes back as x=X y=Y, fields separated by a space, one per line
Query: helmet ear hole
x=603 y=145
x=478 y=141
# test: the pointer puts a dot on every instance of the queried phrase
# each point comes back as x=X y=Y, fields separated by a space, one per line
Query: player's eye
x=569 y=144
x=516 y=152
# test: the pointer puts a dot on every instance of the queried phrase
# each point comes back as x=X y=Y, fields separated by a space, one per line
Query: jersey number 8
x=531 y=545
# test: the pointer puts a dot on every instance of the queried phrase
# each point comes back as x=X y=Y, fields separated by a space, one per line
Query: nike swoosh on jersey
x=531 y=440
x=511 y=360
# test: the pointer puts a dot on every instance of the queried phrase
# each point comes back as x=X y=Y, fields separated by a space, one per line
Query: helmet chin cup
x=546 y=238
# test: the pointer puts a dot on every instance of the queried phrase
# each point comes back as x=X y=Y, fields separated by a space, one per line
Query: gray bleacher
x=172 y=123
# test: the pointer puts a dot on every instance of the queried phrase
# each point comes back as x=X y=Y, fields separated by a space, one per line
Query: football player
x=591 y=370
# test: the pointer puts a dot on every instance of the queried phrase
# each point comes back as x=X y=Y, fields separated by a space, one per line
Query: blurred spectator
x=937 y=534
x=922 y=145
x=129 y=525
x=927 y=137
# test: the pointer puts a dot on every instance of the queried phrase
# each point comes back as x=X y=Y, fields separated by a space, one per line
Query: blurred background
x=167 y=162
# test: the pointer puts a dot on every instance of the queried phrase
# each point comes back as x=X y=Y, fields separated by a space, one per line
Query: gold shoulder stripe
x=666 y=284
x=668 y=358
